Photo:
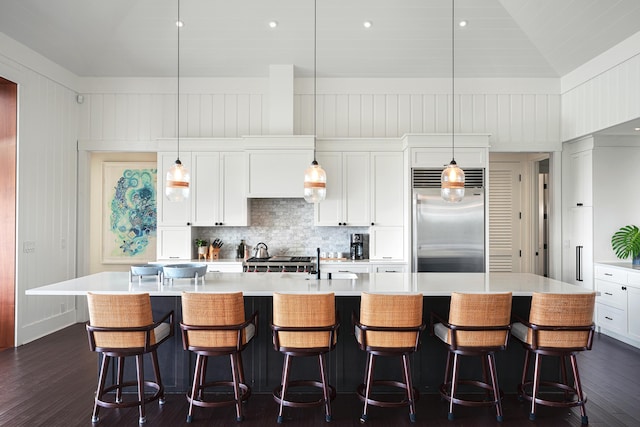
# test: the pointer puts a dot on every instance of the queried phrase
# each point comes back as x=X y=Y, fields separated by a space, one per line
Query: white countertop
x=265 y=284
x=625 y=265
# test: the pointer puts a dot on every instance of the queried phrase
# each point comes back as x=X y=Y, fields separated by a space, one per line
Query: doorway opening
x=8 y=143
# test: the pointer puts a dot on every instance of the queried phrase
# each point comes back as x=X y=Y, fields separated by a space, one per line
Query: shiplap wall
x=607 y=99
x=516 y=122
x=519 y=121
x=47 y=128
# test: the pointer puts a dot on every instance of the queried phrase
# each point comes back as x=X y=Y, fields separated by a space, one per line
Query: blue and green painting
x=133 y=211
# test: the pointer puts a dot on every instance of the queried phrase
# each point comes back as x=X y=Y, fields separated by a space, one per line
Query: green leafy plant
x=626 y=242
x=200 y=243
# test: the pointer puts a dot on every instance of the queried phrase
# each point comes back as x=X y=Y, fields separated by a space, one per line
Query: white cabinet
x=389 y=268
x=386 y=243
x=582 y=246
x=174 y=243
x=347 y=267
x=218 y=185
x=348 y=190
x=277 y=173
x=581 y=176
x=387 y=189
x=618 y=302
x=172 y=213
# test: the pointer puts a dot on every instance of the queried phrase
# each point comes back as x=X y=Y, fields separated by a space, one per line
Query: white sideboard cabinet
x=618 y=301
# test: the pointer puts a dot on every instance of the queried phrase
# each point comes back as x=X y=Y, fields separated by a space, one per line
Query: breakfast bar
x=345 y=364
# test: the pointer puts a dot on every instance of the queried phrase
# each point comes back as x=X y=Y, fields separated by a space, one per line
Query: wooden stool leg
x=406 y=369
x=119 y=379
x=525 y=374
x=283 y=388
x=454 y=380
x=536 y=386
x=325 y=388
x=203 y=377
x=140 y=369
x=371 y=361
x=447 y=369
x=496 y=389
x=156 y=372
x=236 y=385
x=100 y=390
x=578 y=386
x=194 y=388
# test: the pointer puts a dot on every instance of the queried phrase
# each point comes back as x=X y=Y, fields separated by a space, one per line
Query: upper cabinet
x=217 y=197
x=387 y=188
x=218 y=183
x=348 y=187
x=172 y=213
x=276 y=165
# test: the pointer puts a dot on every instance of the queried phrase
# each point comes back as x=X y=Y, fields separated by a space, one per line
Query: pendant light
x=177 y=184
x=452 y=178
x=315 y=178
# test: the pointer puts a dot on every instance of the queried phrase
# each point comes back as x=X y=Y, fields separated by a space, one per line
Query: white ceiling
x=409 y=38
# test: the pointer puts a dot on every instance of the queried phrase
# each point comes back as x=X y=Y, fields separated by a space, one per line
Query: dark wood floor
x=51 y=381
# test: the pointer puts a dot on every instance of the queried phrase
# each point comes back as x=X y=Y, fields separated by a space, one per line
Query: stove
x=280 y=264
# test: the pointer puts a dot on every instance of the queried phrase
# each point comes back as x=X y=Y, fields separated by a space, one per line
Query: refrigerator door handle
x=579 y=263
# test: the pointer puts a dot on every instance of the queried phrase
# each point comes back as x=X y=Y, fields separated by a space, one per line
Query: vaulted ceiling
x=407 y=38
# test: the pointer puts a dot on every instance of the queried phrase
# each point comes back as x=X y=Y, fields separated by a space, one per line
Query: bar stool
x=304 y=325
x=214 y=325
x=559 y=325
x=478 y=326
x=389 y=325
x=120 y=326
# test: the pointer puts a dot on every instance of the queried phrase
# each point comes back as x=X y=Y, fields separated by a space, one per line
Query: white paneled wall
x=607 y=99
x=516 y=122
x=46 y=205
x=147 y=117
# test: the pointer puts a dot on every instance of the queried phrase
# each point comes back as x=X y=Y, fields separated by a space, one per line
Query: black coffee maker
x=357 y=246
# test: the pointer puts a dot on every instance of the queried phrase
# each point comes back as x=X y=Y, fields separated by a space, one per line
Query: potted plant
x=202 y=247
x=626 y=243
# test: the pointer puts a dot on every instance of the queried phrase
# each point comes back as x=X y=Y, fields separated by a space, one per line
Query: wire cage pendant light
x=452 y=178
x=178 y=177
x=315 y=178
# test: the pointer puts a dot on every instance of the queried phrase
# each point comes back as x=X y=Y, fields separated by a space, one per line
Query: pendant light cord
x=453 y=80
x=179 y=25
x=315 y=48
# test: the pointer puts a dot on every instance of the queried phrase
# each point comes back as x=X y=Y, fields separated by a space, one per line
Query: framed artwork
x=129 y=214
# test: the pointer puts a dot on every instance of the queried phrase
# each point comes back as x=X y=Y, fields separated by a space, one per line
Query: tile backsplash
x=285 y=226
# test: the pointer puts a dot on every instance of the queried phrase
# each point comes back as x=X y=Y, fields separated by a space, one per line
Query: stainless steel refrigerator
x=448 y=237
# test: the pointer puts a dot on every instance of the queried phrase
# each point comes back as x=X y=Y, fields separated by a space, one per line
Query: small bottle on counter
x=241 y=252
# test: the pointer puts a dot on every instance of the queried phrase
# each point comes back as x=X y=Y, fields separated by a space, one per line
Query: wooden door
x=505 y=247
x=8 y=132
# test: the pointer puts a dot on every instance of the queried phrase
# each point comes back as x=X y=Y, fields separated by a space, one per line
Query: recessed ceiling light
x=638 y=129
x=273 y=24
x=179 y=24
x=367 y=24
x=463 y=23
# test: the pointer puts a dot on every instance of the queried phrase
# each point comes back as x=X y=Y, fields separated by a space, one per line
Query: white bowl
x=184 y=271
x=146 y=269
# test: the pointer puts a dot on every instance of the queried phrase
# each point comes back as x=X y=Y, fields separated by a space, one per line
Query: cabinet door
x=387 y=190
x=329 y=211
x=386 y=243
x=172 y=213
x=356 y=197
x=581 y=165
x=633 y=311
x=233 y=199
x=582 y=247
x=205 y=187
x=174 y=243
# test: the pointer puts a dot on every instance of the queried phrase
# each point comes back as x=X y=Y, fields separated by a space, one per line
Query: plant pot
x=635 y=260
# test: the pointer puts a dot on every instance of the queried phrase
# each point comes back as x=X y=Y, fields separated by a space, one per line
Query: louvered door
x=504 y=217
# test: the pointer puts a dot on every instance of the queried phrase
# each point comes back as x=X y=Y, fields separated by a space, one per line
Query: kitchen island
x=346 y=363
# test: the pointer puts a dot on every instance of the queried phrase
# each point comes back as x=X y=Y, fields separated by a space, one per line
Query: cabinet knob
x=372 y=223
x=579 y=204
x=624 y=288
x=188 y=223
